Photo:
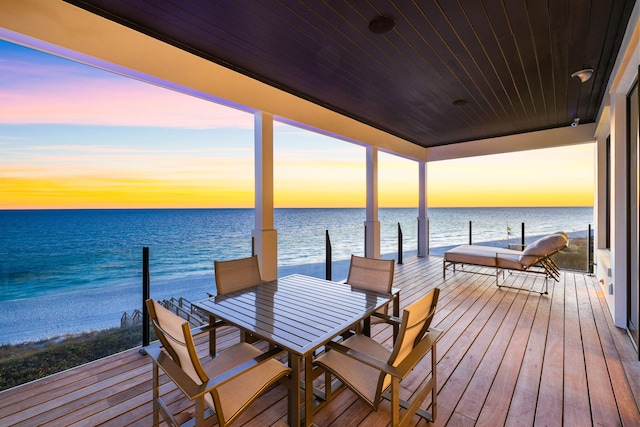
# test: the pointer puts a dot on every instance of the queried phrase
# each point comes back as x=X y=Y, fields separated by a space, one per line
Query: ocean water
x=69 y=271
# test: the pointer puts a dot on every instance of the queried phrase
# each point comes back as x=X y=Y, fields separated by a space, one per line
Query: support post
x=264 y=234
x=423 y=219
x=372 y=224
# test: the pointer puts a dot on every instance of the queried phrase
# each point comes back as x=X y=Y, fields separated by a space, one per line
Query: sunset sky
x=72 y=136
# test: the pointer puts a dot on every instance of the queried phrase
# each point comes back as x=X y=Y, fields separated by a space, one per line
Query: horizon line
x=290 y=207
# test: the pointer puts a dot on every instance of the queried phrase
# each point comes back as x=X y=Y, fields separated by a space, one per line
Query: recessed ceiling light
x=382 y=24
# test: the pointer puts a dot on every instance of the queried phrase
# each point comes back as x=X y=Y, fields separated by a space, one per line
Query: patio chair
x=374 y=275
x=234 y=275
x=373 y=372
x=227 y=384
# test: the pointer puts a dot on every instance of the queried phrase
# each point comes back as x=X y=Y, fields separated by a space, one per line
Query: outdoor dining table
x=299 y=314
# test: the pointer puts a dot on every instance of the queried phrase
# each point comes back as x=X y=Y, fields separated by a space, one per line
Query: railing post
x=145 y=296
x=327 y=273
x=399 y=244
x=365 y=241
x=523 y=236
x=253 y=246
x=590 y=250
x=470 y=233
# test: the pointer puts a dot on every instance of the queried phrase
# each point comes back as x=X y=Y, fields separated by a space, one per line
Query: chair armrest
x=404 y=367
x=387 y=319
x=173 y=371
x=364 y=358
x=186 y=383
x=207 y=328
x=419 y=352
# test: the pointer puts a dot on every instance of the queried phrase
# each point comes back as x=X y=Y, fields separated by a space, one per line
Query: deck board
x=523 y=409
x=576 y=394
x=506 y=357
x=548 y=410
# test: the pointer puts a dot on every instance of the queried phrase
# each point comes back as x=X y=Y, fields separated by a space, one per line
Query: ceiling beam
x=550 y=138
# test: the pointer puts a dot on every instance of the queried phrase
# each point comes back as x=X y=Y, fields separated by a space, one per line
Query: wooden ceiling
x=449 y=71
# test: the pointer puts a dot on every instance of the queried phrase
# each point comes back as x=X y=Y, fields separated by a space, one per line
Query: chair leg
x=414 y=408
x=328 y=386
x=156 y=395
x=434 y=388
x=200 y=411
x=395 y=401
x=159 y=407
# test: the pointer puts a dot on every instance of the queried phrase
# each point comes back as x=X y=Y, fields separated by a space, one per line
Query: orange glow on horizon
x=562 y=176
x=207 y=183
x=93 y=193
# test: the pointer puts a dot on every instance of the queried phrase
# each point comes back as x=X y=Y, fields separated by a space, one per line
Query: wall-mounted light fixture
x=583 y=75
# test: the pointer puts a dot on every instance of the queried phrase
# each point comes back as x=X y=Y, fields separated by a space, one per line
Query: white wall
x=613 y=122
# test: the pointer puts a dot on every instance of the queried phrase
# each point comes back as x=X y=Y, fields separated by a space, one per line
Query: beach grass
x=22 y=363
x=575 y=256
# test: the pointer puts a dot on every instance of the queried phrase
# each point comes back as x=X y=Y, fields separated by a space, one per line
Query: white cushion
x=544 y=247
x=487 y=256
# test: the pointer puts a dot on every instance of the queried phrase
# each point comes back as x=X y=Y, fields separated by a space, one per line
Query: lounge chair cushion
x=543 y=247
x=487 y=256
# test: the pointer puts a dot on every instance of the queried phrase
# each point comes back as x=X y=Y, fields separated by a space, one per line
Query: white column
x=423 y=219
x=372 y=247
x=264 y=235
x=601 y=191
x=619 y=209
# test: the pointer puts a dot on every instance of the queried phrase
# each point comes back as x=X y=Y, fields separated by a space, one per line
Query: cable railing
x=578 y=256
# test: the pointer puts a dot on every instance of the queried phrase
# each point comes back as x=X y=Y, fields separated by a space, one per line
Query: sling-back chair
x=227 y=384
x=234 y=275
x=374 y=275
x=373 y=372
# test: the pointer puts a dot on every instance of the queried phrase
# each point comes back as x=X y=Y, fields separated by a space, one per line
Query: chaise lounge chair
x=535 y=258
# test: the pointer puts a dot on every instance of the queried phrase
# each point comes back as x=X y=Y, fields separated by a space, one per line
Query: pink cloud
x=49 y=96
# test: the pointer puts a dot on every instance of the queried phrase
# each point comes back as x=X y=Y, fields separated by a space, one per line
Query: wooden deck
x=506 y=357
